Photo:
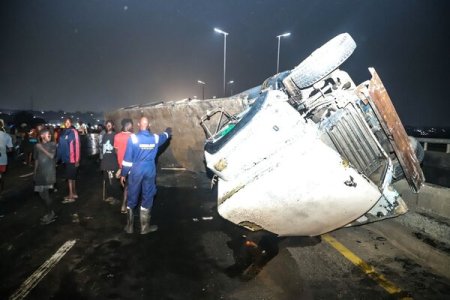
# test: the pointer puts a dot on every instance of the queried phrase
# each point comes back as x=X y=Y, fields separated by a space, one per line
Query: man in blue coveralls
x=139 y=165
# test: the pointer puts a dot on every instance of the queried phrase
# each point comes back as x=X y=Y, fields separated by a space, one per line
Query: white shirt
x=5 y=141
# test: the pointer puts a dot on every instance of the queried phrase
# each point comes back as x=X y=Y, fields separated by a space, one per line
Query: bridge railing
x=427 y=141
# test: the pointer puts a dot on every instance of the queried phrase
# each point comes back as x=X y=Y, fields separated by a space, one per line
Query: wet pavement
x=195 y=254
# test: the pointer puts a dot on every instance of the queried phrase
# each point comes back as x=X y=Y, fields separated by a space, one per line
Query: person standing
x=120 y=144
x=101 y=132
x=69 y=153
x=56 y=134
x=139 y=165
x=5 y=146
x=27 y=145
x=108 y=164
x=45 y=172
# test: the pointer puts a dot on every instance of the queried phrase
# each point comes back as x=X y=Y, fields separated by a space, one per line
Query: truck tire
x=420 y=153
x=323 y=61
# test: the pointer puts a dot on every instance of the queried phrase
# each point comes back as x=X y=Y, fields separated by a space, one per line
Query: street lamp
x=231 y=89
x=278 y=55
x=224 y=54
x=203 y=88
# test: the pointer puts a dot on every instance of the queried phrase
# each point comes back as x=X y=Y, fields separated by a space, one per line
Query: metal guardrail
x=427 y=141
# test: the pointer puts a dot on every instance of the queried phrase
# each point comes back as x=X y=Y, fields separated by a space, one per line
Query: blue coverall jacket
x=139 y=164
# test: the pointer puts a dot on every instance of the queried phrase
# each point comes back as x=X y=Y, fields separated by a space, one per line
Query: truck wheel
x=323 y=61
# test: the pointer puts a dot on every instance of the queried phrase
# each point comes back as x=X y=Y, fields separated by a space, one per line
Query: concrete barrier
x=432 y=198
x=436 y=167
x=429 y=210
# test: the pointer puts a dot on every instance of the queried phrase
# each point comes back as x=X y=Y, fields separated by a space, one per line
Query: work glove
x=169 y=131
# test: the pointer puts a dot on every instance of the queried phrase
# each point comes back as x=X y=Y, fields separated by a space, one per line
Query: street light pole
x=203 y=88
x=278 y=54
x=224 y=55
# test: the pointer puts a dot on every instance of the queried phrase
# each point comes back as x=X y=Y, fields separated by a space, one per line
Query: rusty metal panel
x=186 y=146
x=394 y=129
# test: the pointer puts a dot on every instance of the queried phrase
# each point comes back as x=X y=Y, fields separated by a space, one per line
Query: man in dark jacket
x=69 y=153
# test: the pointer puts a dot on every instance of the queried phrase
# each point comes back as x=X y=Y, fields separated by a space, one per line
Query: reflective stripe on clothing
x=126 y=164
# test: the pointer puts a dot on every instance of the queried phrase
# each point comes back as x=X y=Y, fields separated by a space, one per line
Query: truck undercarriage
x=312 y=152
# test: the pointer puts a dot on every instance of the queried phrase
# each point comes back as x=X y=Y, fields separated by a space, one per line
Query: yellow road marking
x=367 y=269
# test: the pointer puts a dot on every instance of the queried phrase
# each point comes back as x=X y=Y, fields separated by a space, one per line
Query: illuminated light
x=284 y=35
x=224 y=56
x=220 y=31
x=278 y=52
x=200 y=82
x=230 y=83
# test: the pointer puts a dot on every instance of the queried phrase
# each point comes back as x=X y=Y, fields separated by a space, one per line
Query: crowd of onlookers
x=41 y=147
x=25 y=137
x=127 y=159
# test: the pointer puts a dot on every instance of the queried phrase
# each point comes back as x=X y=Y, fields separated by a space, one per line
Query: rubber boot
x=145 y=222
x=124 y=205
x=130 y=221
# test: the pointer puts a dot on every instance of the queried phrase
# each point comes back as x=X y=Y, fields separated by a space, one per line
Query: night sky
x=103 y=55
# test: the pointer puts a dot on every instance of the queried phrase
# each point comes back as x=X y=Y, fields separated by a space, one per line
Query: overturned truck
x=307 y=153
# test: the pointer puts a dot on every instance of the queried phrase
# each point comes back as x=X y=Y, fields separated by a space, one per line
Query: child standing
x=45 y=172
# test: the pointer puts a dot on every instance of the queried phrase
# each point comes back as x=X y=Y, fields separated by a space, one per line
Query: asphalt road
x=195 y=254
